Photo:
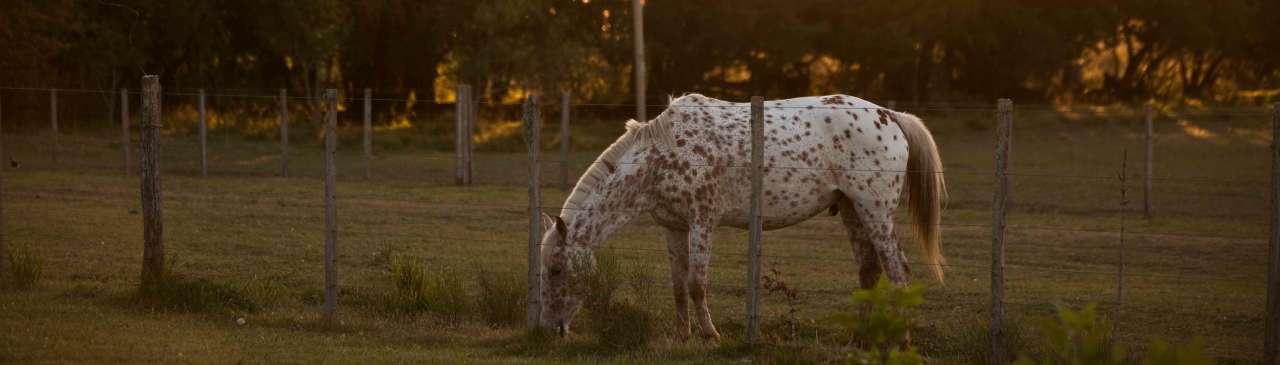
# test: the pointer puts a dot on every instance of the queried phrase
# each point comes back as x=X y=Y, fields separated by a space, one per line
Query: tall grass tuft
x=620 y=324
x=173 y=291
x=419 y=290
x=502 y=297
x=25 y=268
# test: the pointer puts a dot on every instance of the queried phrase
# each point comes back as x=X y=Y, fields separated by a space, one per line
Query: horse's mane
x=638 y=133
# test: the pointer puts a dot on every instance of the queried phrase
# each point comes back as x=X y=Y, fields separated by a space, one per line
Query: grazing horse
x=689 y=169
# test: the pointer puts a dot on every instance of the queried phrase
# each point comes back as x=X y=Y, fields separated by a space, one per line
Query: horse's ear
x=561 y=229
x=548 y=221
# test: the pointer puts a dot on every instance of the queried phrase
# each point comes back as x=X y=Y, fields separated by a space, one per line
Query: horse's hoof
x=713 y=337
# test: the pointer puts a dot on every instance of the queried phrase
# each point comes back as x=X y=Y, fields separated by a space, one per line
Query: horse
x=689 y=169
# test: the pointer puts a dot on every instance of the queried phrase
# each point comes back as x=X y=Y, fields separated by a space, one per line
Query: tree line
x=921 y=51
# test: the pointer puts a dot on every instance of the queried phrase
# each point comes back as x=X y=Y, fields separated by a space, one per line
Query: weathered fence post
x=368 y=130
x=3 y=249
x=53 y=123
x=566 y=109
x=473 y=113
x=461 y=136
x=330 y=206
x=532 y=136
x=1271 y=351
x=204 y=137
x=1146 y=183
x=124 y=128
x=1124 y=211
x=641 y=80
x=284 y=132
x=152 y=207
x=1004 y=140
x=753 y=240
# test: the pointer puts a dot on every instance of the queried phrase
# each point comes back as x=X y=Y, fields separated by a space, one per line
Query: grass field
x=1197 y=268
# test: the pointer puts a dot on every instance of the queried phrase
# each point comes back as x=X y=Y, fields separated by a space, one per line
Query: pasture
x=1197 y=268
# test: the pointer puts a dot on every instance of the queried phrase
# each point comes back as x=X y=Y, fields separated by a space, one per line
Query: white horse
x=688 y=168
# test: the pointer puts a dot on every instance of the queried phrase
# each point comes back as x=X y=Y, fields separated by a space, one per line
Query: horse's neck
x=593 y=222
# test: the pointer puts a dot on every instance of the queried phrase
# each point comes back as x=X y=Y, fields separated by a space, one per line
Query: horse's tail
x=926 y=189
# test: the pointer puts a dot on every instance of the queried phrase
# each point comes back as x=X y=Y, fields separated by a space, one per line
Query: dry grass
x=247 y=229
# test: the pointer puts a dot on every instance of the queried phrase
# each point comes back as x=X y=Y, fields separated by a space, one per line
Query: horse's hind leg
x=873 y=207
x=678 y=255
x=864 y=252
x=699 y=258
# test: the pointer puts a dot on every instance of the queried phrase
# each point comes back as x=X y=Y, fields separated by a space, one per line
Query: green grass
x=245 y=228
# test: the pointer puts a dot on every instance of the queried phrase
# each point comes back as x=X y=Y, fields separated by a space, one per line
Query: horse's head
x=558 y=301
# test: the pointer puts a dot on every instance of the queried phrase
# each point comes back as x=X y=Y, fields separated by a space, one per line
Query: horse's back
x=815 y=149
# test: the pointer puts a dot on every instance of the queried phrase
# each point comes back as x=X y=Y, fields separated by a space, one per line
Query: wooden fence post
x=330 y=206
x=532 y=138
x=3 y=249
x=641 y=80
x=1271 y=350
x=124 y=128
x=460 y=145
x=753 y=241
x=1004 y=140
x=53 y=123
x=152 y=207
x=284 y=132
x=1146 y=184
x=566 y=108
x=473 y=114
x=368 y=130
x=204 y=137
x=1124 y=212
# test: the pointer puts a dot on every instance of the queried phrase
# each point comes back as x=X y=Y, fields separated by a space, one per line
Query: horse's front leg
x=678 y=255
x=699 y=258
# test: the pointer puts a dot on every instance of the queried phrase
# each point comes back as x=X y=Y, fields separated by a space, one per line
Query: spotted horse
x=688 y=169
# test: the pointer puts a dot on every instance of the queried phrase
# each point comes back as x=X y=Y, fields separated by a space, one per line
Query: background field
x=1197 y=268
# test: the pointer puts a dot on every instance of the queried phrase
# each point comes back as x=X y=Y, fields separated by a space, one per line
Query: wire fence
x=1071 y=211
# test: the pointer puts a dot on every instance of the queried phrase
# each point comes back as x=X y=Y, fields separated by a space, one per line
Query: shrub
x=1081 y=337
x=774 y=283
x=880 y=321
x=25 y=268
x=1191 y=353
x=1078 y=337
x=502 y=298
x=418 y=290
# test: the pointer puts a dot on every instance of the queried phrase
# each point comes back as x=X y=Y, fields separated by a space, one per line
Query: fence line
x=466 y=115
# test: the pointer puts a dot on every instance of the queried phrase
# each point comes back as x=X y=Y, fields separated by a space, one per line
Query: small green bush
x=1082 y=337
x=1078 y=337
x=25 y=268
x=418 y=290
x=502 y=298
x=880 y=322
x=1191 y=353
